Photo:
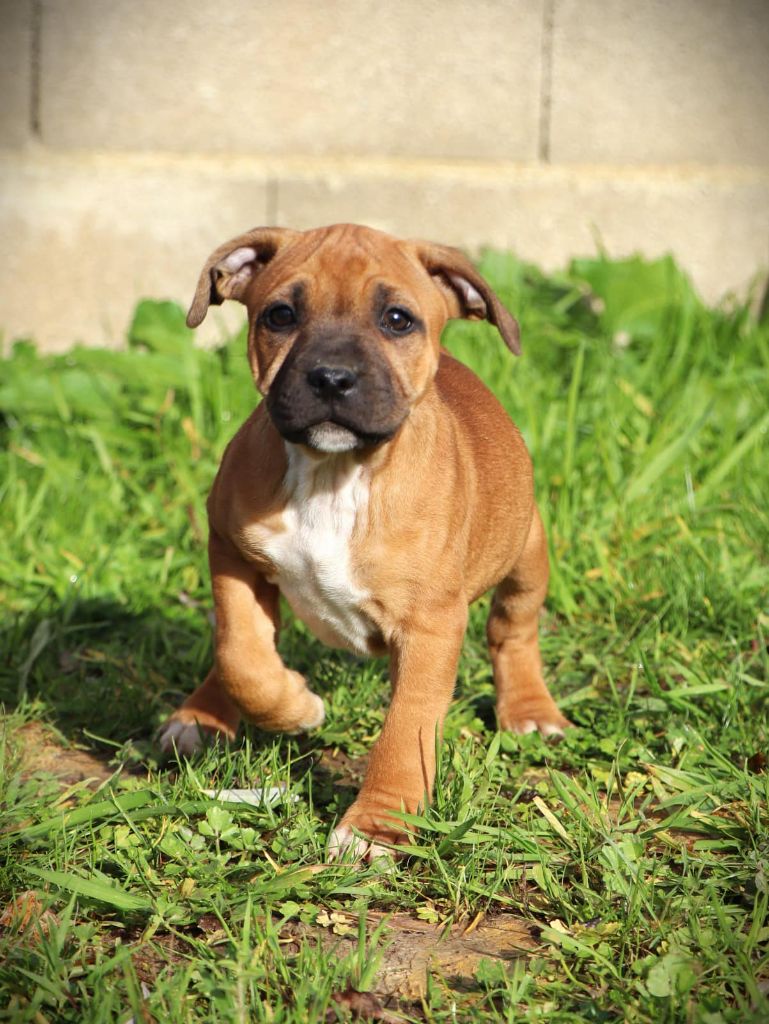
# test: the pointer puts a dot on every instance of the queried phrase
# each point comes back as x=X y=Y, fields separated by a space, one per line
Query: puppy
x=381 y=488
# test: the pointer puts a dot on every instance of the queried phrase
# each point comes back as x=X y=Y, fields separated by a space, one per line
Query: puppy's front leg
x=249 y=678
x=423 y=667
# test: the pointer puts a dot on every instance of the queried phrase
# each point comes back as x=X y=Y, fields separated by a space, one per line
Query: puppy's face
x=344 y=338
x=344 y=325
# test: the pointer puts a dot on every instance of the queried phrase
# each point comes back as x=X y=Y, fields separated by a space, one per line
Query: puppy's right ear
x=230 y=268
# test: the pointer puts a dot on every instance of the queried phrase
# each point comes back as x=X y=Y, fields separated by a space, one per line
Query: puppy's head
x=344 y=324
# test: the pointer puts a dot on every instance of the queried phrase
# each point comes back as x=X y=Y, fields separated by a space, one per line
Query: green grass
x=637 y=849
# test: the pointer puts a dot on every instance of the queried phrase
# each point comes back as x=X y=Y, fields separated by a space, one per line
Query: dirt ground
x=410 y=947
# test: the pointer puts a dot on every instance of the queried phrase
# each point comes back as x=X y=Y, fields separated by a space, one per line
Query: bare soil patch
x=42 y=752
x=412 y=948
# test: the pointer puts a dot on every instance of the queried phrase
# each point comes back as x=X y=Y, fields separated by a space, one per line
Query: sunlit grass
x=636 y=850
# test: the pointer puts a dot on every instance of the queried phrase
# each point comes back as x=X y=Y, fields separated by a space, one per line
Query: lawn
x=619 y=875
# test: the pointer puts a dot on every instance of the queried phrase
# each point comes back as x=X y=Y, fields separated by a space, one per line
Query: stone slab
x=438 y=78
x=660 y=82
x=717 y=225
x=87 y=237
x=15 y=72
x=85 y=240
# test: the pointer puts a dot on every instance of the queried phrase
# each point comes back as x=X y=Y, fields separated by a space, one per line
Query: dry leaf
x=25 y=915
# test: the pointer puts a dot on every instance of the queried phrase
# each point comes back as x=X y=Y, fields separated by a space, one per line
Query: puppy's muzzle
x=339 y=394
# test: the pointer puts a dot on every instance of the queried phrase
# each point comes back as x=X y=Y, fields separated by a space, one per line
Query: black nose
x=332 y=381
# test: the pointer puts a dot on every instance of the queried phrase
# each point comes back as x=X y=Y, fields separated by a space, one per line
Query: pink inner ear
x=234 y=272
x=472 y=299
x=237 y=259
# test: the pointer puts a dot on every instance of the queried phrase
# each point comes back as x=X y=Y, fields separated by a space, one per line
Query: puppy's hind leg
x=523 y=700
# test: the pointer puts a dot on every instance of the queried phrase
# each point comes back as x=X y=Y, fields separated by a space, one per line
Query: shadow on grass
x=106 y=677
x=100 y=669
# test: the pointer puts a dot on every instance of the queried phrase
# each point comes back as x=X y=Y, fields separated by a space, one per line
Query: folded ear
x=470 y=297
x=230 y=268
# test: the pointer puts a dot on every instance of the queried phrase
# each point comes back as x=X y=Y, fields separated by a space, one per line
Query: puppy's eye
x=399 y=321
x=279 y=317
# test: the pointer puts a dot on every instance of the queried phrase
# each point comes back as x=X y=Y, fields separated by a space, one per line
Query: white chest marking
x=312 y=551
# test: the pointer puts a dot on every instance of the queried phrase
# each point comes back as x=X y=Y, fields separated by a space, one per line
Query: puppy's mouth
x=330 y=436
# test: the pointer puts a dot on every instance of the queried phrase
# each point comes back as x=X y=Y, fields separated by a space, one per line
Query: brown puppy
x=381 y=488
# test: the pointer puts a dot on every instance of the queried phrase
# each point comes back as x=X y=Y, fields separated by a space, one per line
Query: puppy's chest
x=310 y=549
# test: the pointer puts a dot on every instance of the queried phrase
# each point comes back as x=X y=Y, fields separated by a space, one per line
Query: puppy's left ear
x=468 y=295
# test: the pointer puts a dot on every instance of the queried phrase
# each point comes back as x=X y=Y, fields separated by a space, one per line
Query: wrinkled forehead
x=336 y=274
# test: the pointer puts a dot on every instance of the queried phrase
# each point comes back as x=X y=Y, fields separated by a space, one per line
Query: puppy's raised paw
x=313 y=715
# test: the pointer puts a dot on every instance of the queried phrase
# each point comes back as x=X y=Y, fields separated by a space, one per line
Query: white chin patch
x=330 y=437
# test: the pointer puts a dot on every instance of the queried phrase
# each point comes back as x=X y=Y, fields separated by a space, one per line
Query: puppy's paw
x=546 y=719
x=367 y=835
x=296 y=708
x=344 y=844
x=186 y=734
x=312 y=715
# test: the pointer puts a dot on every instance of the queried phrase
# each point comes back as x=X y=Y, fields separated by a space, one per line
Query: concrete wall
x=135 y=135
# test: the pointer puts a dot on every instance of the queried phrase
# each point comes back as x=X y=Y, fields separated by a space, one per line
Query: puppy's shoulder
x=251 y=473
x=472 y=402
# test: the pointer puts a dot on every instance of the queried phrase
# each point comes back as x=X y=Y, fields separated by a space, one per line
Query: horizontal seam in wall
x=230 y=166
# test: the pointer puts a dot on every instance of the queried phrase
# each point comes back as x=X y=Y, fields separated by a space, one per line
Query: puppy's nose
x=332 y=381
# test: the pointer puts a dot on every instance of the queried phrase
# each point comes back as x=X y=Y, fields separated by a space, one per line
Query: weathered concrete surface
x=87 y=238
x=16 y=74
x=438 y=78
x=135 y=136
x=717 y=224
x=90 y=235
x=661 y=82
